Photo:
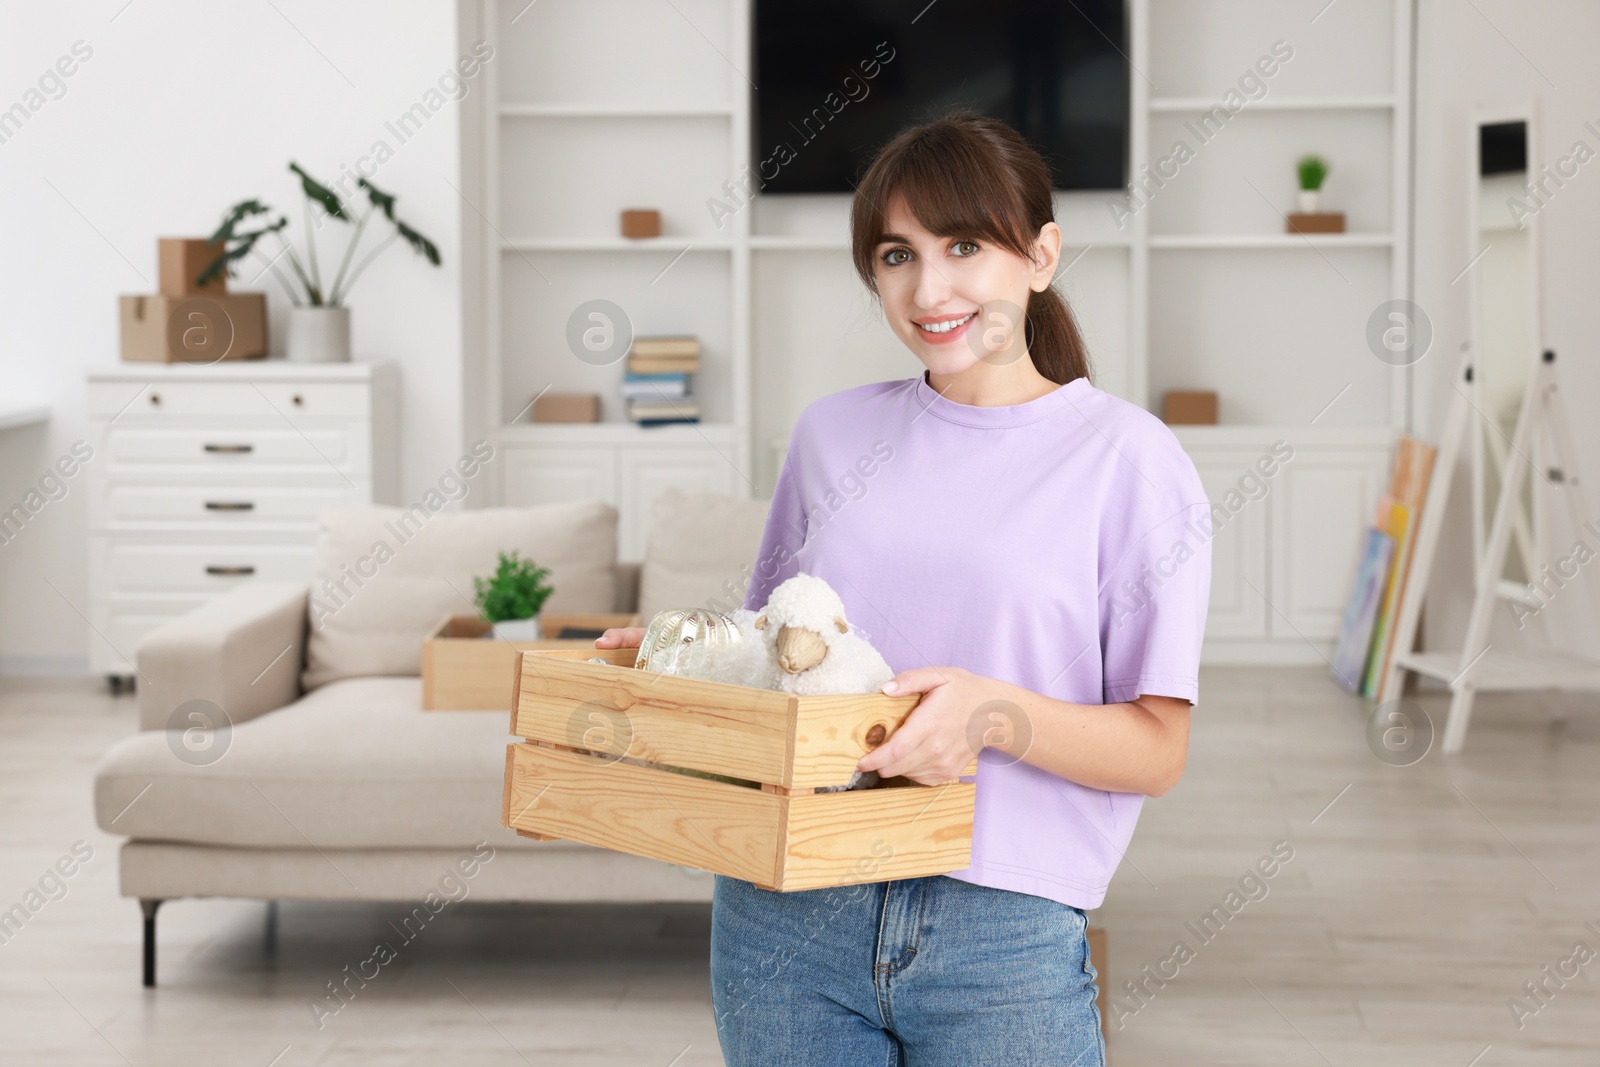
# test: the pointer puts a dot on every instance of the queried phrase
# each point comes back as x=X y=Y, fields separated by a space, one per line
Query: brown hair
x=971 y=176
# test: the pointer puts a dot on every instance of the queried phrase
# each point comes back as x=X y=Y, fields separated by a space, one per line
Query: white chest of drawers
x=203 y=477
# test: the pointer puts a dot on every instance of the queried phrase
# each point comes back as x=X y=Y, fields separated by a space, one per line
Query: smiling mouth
x=946 y=327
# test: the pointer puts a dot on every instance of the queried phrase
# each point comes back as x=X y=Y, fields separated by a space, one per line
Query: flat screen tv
x=836 y=79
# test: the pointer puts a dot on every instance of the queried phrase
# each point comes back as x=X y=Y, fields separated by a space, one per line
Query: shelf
x=614 y=244
x=612 y=111
x=1070 y=248
x=1253 y=435
x=679 y=244
x=622 y=433
x=1278 y=103
x=1271 y=240
x=271 y=368
x=1499 y=670
x=781 y=242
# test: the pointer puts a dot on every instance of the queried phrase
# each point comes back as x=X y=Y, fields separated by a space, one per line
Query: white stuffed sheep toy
x=814 y=648
x=800 y=643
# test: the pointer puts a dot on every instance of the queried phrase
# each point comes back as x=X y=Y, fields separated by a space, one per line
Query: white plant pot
x=517 y=629
x=319 y=335
x=1310 y=201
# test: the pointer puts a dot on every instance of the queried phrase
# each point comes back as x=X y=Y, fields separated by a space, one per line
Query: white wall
x=182 y=109
x=1506 y=52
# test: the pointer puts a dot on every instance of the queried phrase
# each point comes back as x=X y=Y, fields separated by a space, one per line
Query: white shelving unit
x=1202 y=288
x=1225 y=299
x=580 y=106
x=1344 y=93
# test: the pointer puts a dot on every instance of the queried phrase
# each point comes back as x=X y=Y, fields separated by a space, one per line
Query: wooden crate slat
x=723 y=729
x=710 y=826
x=685 y=722
x=876 y=835
x=831 y=734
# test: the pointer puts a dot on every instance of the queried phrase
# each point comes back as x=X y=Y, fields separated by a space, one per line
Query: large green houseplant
x=319 y=322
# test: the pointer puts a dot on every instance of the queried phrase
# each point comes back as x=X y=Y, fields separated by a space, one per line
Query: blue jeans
x=917 y=972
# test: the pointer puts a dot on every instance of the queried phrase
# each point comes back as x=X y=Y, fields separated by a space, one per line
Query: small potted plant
x=1313 y=171
x=319 y=322
x=512 y=597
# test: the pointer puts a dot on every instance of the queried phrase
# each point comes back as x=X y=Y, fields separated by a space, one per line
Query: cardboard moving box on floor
x=194 y=329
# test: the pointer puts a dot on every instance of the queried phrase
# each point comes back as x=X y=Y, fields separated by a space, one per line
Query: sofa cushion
x=700 y=551
x=386 y=576
x=355 y=764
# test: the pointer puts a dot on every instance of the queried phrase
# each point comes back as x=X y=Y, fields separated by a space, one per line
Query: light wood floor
x=1418 y=900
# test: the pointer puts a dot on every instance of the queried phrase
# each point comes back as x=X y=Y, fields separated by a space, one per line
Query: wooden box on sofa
x=574 y=776
x=463 y=669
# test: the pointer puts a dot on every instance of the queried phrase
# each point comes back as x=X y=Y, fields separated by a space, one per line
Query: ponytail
x=1054 y=340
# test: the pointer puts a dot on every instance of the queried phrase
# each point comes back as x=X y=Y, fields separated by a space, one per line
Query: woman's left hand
x=932 y=746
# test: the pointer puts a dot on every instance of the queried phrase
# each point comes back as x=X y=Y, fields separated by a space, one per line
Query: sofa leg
x=149 y=906
x=270 y=935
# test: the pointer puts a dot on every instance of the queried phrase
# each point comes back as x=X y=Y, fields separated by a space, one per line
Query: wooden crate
x=579 y=721
x=464 y=671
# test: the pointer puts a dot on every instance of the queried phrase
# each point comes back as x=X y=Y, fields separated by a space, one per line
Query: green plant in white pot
x=512 y=596
x=1312 y=171
x=319 y=321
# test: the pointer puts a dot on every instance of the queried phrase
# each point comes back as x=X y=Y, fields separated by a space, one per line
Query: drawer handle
x=230 y=572
x=230 y=448
x=230 y=505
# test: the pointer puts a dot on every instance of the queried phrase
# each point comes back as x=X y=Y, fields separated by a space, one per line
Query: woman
x=1031 y=555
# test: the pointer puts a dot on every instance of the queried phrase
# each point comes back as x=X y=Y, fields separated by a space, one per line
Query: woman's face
x=953 y=301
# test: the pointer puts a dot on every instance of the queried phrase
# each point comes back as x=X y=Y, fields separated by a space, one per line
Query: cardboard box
x=464 y=670
x=641 y=222
x=194 y=329
x=1192 y=408
x=567 y=407
x=180 y=261
x=1320 y=222
x=582 y=723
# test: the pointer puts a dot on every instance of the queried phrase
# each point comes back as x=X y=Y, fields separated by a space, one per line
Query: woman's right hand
x=621 y=637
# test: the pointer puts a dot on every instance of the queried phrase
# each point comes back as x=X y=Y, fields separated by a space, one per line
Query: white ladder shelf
x=1479 y=666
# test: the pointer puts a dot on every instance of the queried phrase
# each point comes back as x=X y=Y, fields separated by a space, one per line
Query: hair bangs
x=937 y=175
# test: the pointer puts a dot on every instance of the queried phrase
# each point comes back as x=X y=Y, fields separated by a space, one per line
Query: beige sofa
x=283 y=751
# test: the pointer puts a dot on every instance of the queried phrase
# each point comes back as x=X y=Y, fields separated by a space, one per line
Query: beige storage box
x=463 y=670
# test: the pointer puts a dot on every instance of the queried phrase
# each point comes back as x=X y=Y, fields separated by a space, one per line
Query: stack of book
x=655 y=380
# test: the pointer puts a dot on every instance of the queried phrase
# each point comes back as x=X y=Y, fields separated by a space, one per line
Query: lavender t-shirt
x=1062 y=545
